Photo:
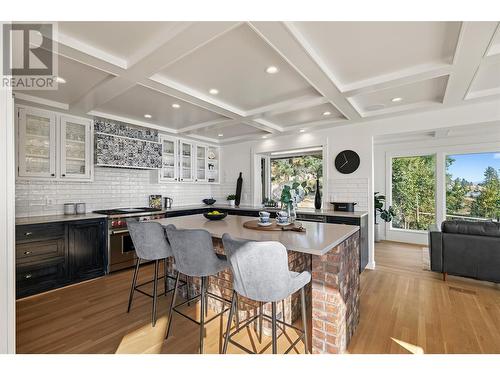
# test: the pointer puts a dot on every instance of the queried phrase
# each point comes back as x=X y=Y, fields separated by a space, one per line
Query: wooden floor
x=404 y=309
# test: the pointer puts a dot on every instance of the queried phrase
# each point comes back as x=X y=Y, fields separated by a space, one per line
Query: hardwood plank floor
x=403 y=309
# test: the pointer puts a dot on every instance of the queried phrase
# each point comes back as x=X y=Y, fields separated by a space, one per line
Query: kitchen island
x=329 y=251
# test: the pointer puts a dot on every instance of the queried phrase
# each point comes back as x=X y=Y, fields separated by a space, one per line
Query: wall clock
x=347 y=161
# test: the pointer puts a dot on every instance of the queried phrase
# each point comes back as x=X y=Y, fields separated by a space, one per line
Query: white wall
x=484 y=138
x=7 y=213
x=358 y=137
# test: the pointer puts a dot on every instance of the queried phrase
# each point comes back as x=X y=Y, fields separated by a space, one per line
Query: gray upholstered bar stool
x=150 y=244
x=195 y=256
x=260 y=273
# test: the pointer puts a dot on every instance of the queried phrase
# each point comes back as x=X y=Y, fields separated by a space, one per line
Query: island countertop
x=318 y=239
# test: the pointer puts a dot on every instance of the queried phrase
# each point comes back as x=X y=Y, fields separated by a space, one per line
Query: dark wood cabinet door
x=86 y=243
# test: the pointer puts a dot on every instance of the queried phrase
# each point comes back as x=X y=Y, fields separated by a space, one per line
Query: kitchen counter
x=56 y=218
x=310 y=211
x=330 y=252
x=318 y=239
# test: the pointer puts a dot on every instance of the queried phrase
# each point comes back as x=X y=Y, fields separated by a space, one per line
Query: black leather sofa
x=469 y=249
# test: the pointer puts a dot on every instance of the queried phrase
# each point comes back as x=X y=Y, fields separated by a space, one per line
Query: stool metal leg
x=188 y=289
x=202 y=311
x=229 y=320
x=273 y=315
x=165 y=274
x=172 y=304
x=155 y=293
x=304 y=318
x=206 y=296
x=237 y=312
x=261 y=312
x=134 y=282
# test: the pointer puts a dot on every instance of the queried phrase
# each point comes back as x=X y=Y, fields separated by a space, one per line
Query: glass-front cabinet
x=186 y=161
x=37 y=143
x=75 y=147
x=169 y=170
x=53 y=146
x=201 y=163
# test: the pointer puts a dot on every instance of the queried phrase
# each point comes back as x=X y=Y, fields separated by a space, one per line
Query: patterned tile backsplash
x=112 y=187
x=125 y=130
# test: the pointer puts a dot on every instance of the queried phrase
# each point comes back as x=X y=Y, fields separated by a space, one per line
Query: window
x=473 y=186
x=303 y=169
x=413 y=192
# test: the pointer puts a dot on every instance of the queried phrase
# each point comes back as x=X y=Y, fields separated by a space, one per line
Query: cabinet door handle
x=27 y=234
x=52 y=174
x=27 y=276
x=27 y=252
x=63 y=175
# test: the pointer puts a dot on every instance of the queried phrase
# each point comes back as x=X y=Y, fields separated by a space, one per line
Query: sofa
x=464 y=248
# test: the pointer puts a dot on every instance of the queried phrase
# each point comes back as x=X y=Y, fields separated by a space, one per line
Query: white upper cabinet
x=54 y=146
x=201 y=163
x=37 y=143
x=186 y=161
x=76 y=151
x=170 y=156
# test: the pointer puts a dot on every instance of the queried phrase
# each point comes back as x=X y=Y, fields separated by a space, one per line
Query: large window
x=473 y=186
x=303 y=169
x=413 y=192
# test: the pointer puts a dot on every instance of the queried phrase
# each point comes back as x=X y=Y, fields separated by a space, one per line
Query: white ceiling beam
x=265 y=125
x=42 y=101
x=184 y=38
x=473 y=42
x=208 y=124
x=400 y=78
x=293 y=104
x=294 y=48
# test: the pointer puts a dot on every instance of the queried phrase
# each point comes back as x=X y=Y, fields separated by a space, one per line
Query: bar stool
x=260 y=273
x=150 y=244
x=195 y=256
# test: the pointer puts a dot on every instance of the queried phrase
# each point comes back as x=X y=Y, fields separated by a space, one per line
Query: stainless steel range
x=121 y=252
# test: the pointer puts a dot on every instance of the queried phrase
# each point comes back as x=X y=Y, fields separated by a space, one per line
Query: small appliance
x=168 y=202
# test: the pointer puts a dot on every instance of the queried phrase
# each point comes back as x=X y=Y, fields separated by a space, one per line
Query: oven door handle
x=119 y=231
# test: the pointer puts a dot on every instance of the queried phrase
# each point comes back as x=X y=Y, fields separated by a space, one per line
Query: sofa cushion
x=486 y=228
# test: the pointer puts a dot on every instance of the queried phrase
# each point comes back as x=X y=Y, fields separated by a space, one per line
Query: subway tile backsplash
x=112 y=187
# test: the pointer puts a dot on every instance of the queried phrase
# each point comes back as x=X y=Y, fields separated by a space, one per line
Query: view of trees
x=475 y=200
x=413 y=192
x=299 y=169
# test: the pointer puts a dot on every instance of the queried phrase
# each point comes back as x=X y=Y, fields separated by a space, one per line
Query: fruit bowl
x=215 y=215
x=208 y=201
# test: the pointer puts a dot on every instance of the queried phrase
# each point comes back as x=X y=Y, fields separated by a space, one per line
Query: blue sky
x=472 y=166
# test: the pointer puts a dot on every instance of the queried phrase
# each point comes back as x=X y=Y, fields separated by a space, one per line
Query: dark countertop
x=55 y=218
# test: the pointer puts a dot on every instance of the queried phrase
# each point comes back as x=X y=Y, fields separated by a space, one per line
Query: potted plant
x=231 y=199
x=384 y=214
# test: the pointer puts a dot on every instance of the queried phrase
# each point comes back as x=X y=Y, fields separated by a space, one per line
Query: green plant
x=231 y=197
x=385 y=215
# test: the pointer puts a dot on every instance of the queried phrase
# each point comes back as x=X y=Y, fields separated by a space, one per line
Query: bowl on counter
x=209 y=201
x=215 y=215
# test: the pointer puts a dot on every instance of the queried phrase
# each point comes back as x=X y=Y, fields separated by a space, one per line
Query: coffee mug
x=264 y=214
x=264 y=219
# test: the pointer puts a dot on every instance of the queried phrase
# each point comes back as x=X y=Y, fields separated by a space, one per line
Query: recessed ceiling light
x=272 y=69
x=395 y=100
x=327 y=113
x=302 y=130
x=147 y=115
x=175 y=105
x=264 y=136
x=60 y=80
x=213 y=91
x=220 y=135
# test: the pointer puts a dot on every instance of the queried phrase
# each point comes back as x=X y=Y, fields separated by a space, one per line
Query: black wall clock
x=347 y=161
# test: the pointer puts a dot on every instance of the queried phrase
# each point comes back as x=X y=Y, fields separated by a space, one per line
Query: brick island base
x=332 y=296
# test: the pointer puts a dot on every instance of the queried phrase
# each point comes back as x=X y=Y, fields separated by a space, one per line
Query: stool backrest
x=260 y=269
x=150 y=241
x=193 y=251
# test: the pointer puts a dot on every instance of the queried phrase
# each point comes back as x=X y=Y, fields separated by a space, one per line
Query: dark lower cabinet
x=86 y=249
x=52 y=255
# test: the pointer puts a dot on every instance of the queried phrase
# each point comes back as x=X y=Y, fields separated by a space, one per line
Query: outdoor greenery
x=475 y=200
x=413 y=192
x=298 y=172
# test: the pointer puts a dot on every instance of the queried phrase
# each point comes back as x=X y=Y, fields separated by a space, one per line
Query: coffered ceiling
x=233 y=81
